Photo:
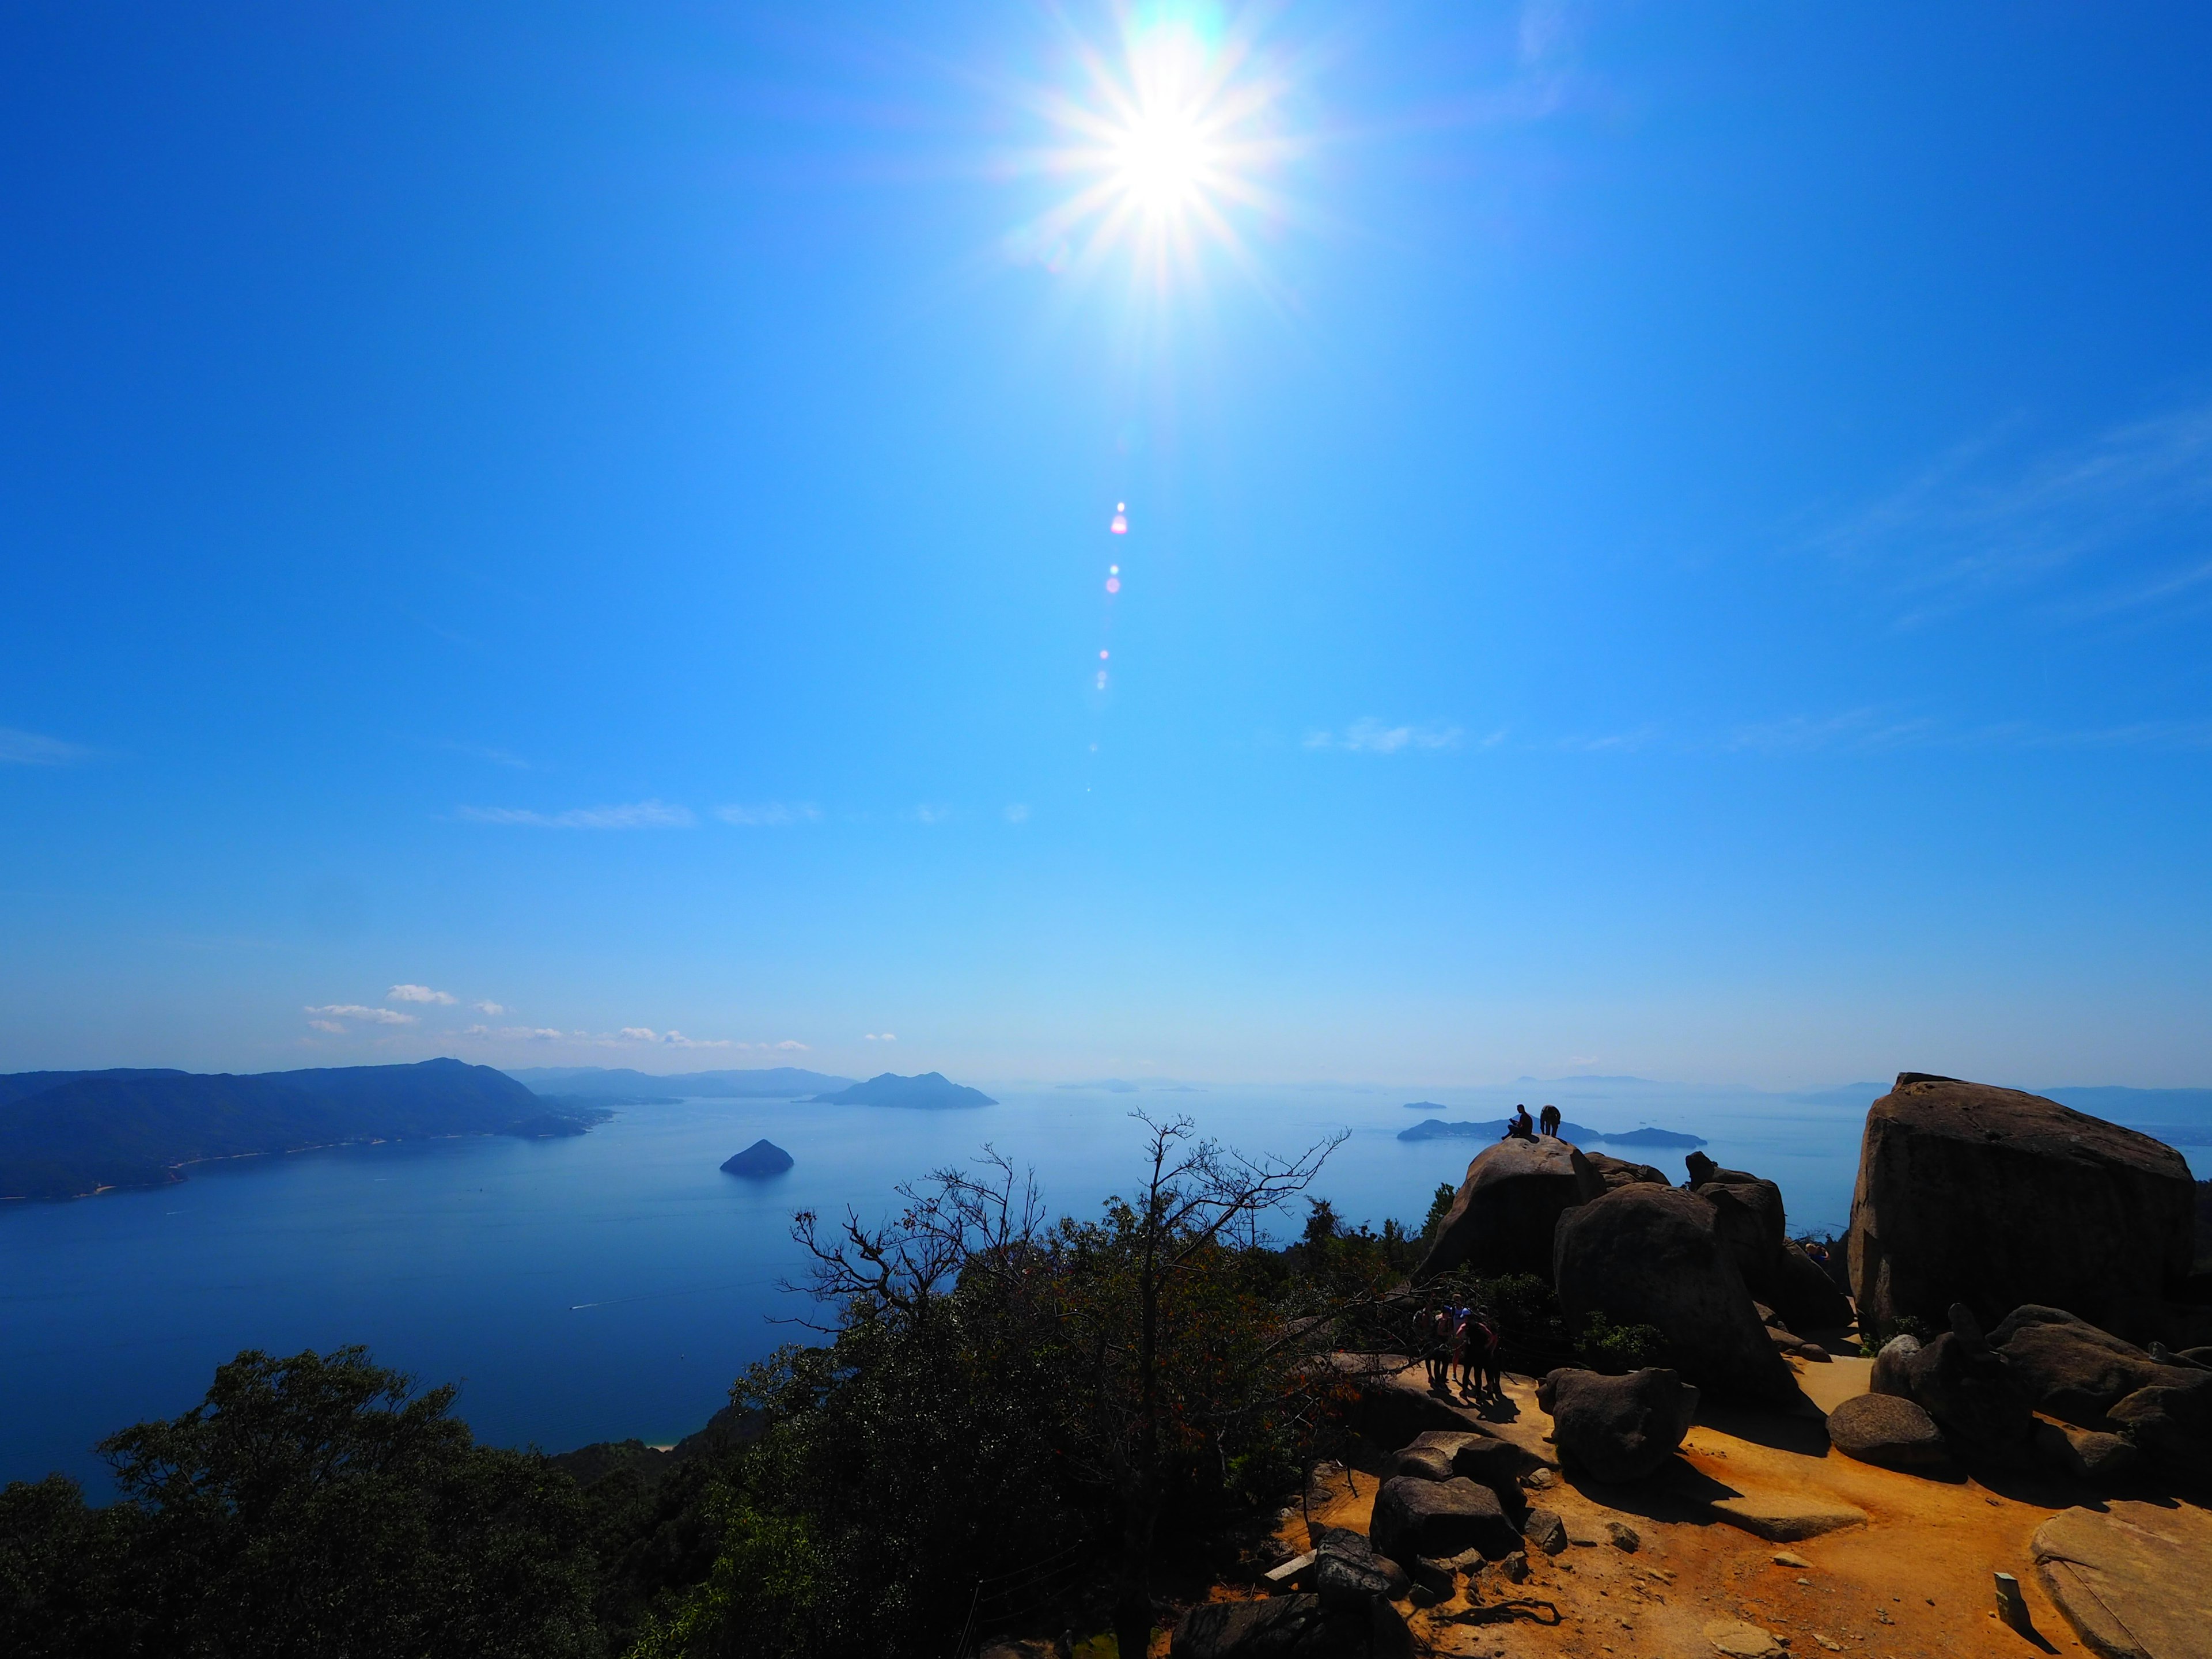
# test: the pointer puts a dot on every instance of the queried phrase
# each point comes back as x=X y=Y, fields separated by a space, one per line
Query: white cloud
x=769 y=814
x=1371 y=737
x=1017 y=813
x=327 y=1026
x=493 y=1008
x=677 y=1040
x=639 y=1034
x=926 y=813
x=420 y=994
x=639 y=814
x=31 y=749
x=354 y=1011
x=789 y=1044
x=880 y=1036
x=2130 y=505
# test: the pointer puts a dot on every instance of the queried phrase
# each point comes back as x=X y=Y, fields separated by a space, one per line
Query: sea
x=614 y=1284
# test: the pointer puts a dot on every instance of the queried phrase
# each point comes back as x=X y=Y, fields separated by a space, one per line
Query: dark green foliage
x=1439 y=1207
x=1871 y=1341
x=1605 y=1347
x=309 y=1506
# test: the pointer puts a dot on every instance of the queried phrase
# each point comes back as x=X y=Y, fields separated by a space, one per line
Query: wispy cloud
x=331 y=1011
x=1017 y=813
x=878 y=1037
x=420 y=994
x=2127 y=513
x=327 y=1026
x=791 y=1046
x=1372 y=736
x=927 y=813
x=773 y=814
x=514 y=1034
x=19 y=748
x=638 y=815
x=492 y=1008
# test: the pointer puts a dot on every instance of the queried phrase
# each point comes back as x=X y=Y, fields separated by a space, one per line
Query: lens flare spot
x=1121 y=525
x=1113 y=584
x=1101 y=679
x=1101 y=656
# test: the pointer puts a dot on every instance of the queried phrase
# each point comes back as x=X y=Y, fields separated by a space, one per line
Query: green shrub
x=1613 y=1348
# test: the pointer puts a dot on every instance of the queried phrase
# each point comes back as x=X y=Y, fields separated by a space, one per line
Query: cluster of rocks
x=2043 y=1382
x=1452 y=1511
x=1710 y=1264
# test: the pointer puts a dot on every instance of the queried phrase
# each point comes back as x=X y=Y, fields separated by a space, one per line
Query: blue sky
x=1663 y=540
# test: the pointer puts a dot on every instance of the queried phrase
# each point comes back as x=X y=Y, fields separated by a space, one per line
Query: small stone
x=1544 y=1529
x=1786 y=1560
x=1832 y=1647
x=2010 y=1607
x=1623 y=1536
x=1739 y=1640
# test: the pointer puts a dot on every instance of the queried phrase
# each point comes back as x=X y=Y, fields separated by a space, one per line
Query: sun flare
x=1169 y=141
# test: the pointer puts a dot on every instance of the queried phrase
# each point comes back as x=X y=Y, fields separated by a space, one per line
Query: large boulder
x=1754 y=1226
x=1880 y=1428
x=1995 y=1198
x=1805 y=1294
x=1497 y=1464
x=1619 y=1428
x=1439 y=1518
x=1291 y=1627
x=1503 y=1219
x=2072 y=1369
x=1643 y=1254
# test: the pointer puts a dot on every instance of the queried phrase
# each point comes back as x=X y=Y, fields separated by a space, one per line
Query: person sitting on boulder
x=1521 y=1126
x=1549 y=1124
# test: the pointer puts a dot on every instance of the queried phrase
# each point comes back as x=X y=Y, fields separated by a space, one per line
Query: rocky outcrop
x=2171 y=1424
x=1619 y=1172
x=1754 y=1226
x=1962 y=1382
x=1619 y=1428
x=1503 y=1219
x=2090 y=1454
x=1653 y=1256
x=1497 y=1464
x=1995 y=1198
x=1439 y=1518
x=2072 y=1369
x=1883 y=1429
x=2129 y=1578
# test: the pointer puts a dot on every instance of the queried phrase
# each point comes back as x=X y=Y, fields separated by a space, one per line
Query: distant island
x=66 y=1134
x=1437 y=1129
x=930 y=1092
x=619 y=1085
x=762 y=1158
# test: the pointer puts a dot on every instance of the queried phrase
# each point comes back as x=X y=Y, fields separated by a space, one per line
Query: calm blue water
x=614 y=1284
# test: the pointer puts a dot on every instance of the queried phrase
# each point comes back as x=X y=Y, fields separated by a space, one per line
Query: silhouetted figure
x=1550 y=1122
x=1436 y=1336
x=1522 y=1127
x=1484 y=1343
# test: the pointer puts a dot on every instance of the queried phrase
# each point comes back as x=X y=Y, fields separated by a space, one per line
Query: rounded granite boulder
x=1886 y=1429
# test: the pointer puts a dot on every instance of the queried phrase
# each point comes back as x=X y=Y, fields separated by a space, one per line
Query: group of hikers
x=1465 y=1342
x=1521 y=1127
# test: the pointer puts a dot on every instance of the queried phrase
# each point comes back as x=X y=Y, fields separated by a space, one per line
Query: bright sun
x=1169 y=144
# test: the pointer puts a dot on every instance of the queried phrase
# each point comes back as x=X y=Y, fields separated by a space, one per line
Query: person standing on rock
x=1485 y=1340
x=1550 y=1123
x=1436 y=1345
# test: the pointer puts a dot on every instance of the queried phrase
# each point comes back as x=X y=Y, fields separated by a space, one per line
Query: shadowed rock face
x=1994 y=1198
x=1653 y=1256
x=1503 y=1219
x=1618 y=1428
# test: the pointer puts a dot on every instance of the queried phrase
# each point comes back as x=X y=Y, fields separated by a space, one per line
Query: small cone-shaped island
x=762 y=1158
